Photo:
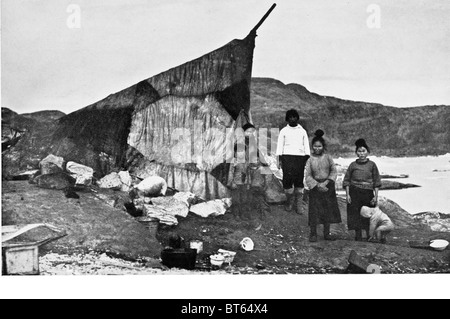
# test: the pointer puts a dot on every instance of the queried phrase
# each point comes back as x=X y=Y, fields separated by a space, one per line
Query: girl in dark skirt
x=320 y=177
x=362 y=183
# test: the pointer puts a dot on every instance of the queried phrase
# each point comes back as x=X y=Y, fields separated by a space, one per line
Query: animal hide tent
x=177 y=124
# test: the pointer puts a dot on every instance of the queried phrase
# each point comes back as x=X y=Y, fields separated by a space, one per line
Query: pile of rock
x=438 y=222
x=55 y=173
x=146 y=197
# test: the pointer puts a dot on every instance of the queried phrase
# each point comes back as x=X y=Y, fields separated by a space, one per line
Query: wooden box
x=20 y=260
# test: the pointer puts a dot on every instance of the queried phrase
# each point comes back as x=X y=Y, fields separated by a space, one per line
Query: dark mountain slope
x=389 y=130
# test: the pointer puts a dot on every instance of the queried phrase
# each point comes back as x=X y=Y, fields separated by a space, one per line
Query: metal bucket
x=184 y=258
x=150 y=223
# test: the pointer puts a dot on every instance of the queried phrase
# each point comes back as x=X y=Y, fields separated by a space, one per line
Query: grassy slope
x=91 y=224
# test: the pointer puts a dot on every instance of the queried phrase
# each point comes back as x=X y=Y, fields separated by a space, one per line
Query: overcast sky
x=332 y=47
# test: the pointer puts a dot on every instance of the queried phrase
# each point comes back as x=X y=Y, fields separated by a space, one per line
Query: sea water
x=431 y=173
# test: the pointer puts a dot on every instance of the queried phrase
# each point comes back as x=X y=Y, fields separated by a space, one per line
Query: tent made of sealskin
x=177 y=124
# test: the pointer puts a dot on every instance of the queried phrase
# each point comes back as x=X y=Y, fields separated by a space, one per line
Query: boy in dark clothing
x=293 y=151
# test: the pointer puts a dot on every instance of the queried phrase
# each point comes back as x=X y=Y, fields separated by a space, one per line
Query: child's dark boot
x=358 y=235
x=313 y=234
x=298 y=199
x=327 y=233
x=289 y=202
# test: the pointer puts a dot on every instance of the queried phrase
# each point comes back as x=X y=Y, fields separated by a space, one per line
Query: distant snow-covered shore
x=431 y=173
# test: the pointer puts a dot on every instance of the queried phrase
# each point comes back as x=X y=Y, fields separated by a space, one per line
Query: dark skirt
x=240 y=197
x=258 y=201
x=323 y=207
x=360 y=197
x=293 y=171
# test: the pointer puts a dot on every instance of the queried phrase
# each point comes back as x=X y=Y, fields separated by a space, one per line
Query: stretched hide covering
x=173 y=125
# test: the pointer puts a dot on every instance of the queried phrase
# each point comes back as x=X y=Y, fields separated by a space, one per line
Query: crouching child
x=380 y=223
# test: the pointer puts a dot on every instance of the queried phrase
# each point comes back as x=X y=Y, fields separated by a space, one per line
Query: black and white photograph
x=260 y=142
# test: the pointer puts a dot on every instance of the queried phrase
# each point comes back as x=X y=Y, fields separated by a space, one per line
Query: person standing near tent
x=257 y=172
x=320 y=177
x=362 y=183
x=238 y=181
x=293 y=151
x=247 y=181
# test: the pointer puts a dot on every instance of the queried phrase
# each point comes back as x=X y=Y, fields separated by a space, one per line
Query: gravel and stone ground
x=103 y=240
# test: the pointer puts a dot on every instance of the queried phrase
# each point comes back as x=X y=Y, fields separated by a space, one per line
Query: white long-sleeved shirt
x=293 y=141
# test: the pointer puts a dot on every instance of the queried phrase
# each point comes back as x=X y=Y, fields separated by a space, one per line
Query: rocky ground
x=90 y=223
x=106 y=240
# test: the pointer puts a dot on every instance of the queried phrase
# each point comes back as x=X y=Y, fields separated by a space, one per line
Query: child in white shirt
x=293 y=151
x=380 y=223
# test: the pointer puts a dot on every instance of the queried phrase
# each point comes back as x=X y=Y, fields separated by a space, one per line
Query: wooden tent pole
x=263 y=18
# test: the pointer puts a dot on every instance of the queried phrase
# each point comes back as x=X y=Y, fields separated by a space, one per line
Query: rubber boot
x=367 y=234
x=264 y=209
x=298 y=203
x=313 y=234
x=245 y=212
x=237 y=212
x=358 y=235
x=289 y=202
x=327 y=234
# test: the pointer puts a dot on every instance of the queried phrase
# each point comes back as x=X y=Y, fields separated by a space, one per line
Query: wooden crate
x=20 y=260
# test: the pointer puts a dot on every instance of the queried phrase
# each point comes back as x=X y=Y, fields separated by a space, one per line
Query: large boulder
x=152 y=186
x=83 y=174
x=438 y=222
x=51 y=164
x=400 y=217
x=211 y=208
x=59 y=181
x=126 y=180
x=111 y=181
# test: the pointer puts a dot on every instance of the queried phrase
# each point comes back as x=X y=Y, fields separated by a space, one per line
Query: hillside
x=45 y=116
x=33 y=131
x=388 y=130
